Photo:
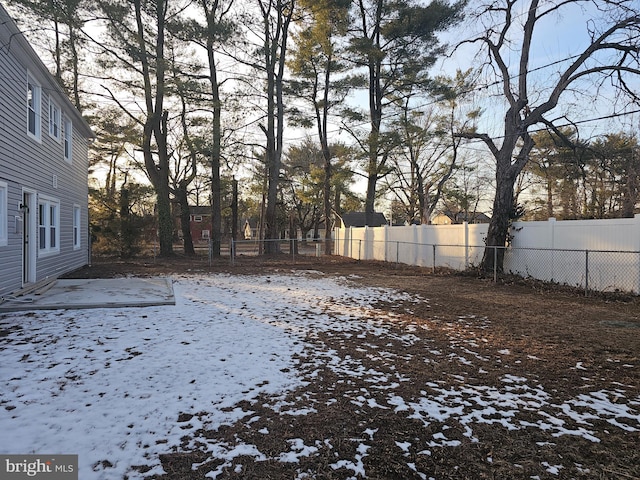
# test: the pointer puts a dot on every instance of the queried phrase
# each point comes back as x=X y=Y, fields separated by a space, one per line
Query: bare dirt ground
x=569 y=343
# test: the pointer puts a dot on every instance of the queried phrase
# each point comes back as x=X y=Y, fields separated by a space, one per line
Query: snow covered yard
x=304 y=375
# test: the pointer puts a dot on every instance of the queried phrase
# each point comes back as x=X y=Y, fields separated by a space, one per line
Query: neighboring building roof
x=470 y=217
x=22 y=49
x=358 y=219
x=200 y=209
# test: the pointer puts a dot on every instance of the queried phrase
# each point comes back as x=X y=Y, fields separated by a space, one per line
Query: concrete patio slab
x=94 y=293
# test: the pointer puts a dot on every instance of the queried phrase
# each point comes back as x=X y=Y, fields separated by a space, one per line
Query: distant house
x=250 y=229
x=43 y=170
x=310 y=236
x=199 y=223
x=450 y=218
x=358 y=219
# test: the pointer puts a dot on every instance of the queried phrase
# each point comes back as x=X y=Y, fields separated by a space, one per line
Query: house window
x=205 y=234
x=48 y=225
x=76 y=227
x=54 y=120
x=34 y=95
x=68 y=135
x=4 y=215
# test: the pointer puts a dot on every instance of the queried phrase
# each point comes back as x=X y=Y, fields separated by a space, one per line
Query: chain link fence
x=288 y=250
x=591 y=270
x=597 y=270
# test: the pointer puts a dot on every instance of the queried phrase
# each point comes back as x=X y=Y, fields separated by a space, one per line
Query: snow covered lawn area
x=302 y=374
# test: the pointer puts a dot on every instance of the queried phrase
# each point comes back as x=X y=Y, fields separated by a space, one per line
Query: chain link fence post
x=586 y=273
x=232 y=251
x=434 y=258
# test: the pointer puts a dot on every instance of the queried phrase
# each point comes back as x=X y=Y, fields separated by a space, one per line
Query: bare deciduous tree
x=611 y=55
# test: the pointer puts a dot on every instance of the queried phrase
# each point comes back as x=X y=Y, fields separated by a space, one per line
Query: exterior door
x=29 y=237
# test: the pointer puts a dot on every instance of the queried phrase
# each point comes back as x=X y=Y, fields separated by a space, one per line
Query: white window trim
x=55 y=120
x=68 y=139
x=4 y=214
x=46 y=224
x=77 y=226
x=37 y=108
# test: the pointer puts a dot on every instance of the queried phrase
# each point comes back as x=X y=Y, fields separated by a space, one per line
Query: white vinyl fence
x=601 y=255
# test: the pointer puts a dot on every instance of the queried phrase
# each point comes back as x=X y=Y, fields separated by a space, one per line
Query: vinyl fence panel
x=595 y=254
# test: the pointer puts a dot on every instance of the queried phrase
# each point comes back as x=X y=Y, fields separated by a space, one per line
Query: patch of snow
x=404 y=446
x=412 y=466
x=552 y=469
x=229 y=453
x=298 y=449
x=358 y=465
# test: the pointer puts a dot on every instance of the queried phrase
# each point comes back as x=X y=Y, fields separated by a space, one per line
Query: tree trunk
x=507 y=171
x=369 y=203
x=549 y=197
x=74 y=67
x=337 y=207
x=185 y=220
x=375 y=109
x=260 y=234
x=272 y=162
x=275 y=47
x=216 y=133
x=165 y=219
x=270 y=216
x=155 y=126
x=127 y=232
x=234 y=210
x=216 y=207
x=327 y=207
x=326 y=153
x=499 y=224
x=631 y=188
x=293 y=238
